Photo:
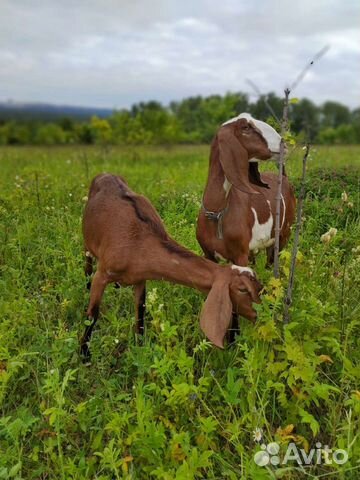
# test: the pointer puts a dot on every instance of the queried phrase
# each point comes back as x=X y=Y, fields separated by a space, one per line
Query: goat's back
x=116 y=218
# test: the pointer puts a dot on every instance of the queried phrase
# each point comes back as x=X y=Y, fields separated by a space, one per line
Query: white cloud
x=115 y=53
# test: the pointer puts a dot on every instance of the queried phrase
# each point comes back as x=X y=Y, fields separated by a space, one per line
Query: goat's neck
x=189 y=270
x=217 y=188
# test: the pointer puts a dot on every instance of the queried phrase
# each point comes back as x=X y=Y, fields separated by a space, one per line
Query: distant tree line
x=192 y=120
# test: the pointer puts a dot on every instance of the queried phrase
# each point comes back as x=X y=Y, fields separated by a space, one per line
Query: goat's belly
x=261 y=233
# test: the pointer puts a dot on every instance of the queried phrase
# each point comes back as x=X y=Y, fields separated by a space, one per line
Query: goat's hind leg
x=97 y=289
x=270 y=256
x=88 y=269
x=270 y=251
x=140 y=306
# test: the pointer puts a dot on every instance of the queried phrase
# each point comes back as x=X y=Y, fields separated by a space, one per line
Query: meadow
x=172 y=406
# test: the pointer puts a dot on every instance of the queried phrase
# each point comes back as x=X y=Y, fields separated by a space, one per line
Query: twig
x=258 y=92
x=288 y=297
x=296 y=82
x=284 y=128
x=37 y=189
x=308 y=66
x=344 y=260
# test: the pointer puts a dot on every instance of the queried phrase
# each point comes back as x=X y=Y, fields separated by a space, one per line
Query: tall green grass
x=172 y=407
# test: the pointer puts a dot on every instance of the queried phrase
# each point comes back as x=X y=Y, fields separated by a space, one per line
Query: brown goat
x=237 y=217
x=123 y=231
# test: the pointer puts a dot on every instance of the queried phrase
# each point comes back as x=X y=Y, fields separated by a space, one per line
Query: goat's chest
x=261 y=232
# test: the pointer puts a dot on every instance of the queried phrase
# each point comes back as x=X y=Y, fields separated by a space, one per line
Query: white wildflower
x=326 y=237
x=257 y=434
x=344 y=196
x=152 y=296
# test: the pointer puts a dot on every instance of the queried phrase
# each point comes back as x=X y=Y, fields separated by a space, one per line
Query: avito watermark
x=322 y=454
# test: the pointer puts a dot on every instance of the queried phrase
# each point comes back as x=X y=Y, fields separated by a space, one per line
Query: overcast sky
x=113 y=53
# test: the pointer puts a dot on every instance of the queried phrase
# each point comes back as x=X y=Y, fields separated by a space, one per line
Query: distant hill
x=43 y=111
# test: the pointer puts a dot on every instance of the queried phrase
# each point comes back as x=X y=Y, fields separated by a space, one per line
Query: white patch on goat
x=243 y=269
x=284 y=213
x=261 y=232
x=269 y=133
x=219 y=257
x=226 y=186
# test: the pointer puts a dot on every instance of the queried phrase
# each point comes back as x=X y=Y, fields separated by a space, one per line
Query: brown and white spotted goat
x=237 y=217
x=123 y=231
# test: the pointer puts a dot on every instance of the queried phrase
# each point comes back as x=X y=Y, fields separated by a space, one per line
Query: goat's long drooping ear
x=216 y=313
x=234 y=159
x=254 y=175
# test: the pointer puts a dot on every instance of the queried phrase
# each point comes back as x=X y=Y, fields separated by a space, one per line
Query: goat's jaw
x=275 y=156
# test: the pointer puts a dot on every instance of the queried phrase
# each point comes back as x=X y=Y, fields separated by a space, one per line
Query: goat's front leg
x=241 y=260
x=97 y=289
x=140 y=305
x=234 y=328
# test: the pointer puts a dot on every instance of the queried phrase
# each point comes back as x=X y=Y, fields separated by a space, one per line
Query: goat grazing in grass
x=123 y=231
x=239 y=205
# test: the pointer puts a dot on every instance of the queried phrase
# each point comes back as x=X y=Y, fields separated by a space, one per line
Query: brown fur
x=249 y=190
x=123 y=231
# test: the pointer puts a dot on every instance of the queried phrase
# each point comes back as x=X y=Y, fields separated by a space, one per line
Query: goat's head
x=235 y=290
x=270 y=135
x=252 y=139
x=240 y=143
x=237 y=143
x=244 y=291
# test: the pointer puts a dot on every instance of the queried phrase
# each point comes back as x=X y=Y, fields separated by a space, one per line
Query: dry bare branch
x=288 y=297
x=284 y=128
